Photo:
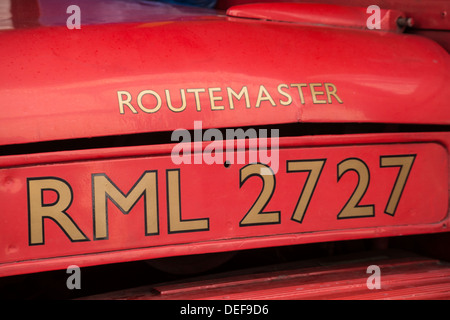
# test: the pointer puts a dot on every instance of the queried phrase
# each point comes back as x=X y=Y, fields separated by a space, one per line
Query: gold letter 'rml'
x=104 y=189
x=38 y=210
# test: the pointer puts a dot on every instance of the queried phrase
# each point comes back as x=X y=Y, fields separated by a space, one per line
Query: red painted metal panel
x=427 y=14
x=401 y=278
x=317 y=14
x=66 y=207
x=124 y=78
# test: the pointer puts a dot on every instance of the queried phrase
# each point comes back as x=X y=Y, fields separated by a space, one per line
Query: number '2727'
x=352 y=209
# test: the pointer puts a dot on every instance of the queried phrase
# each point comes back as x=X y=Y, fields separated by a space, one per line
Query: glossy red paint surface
x=427 y=14
x=153 y=70
x=60 y=84
x=317 y=14
x=215 y=197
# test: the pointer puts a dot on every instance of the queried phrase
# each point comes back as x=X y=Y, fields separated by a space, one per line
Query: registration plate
x=150 y=206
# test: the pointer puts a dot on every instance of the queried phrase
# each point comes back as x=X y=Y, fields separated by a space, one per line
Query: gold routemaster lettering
x=315 y=93
x=145 y=109
x=197 y=97
x=238 y=96
x=281 y=94
x=331 y=92
x=183 y=101
x=299 y=87
x=126 y=102
x=213 y=98
x=285 y=94
x=264 y=95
